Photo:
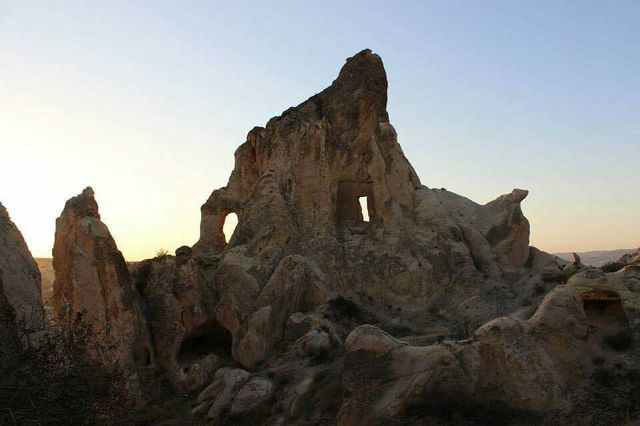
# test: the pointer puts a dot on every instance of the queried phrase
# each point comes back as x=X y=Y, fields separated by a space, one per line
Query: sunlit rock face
x=92 y=283
x=18 y=271
x=296 y=187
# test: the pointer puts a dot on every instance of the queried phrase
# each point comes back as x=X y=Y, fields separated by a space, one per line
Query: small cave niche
x=355 y=204
x=607 y=319
x=212 y=339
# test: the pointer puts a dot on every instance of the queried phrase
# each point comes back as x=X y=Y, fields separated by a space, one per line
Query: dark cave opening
x=213 y=339
x=605 y=313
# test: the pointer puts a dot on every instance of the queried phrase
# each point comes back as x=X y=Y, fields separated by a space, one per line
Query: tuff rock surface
x=312 y=314
x=295 y=189
x=18 y=271
x=92 y=283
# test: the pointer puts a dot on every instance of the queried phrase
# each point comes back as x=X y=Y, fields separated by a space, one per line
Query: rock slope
x=18 y=270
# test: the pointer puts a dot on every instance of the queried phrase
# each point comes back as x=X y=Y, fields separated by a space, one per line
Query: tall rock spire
x=92 y=282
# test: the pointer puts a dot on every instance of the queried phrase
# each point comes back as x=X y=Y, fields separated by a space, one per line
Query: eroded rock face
x=296 y=187
x=180 y=302
x=18 y=271
x=92 y=283
x=305 y=267
x=549 y=363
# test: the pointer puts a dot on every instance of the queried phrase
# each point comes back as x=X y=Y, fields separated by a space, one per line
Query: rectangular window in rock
x=355 y=204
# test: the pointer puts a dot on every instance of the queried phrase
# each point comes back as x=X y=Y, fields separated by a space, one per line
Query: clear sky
x=147 y=101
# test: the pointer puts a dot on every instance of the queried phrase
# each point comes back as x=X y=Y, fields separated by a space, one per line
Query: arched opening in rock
x=229 y=223
x=606 y=316
x=355 y=204
x=213 y=339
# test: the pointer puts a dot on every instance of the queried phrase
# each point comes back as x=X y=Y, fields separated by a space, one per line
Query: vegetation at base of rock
x=46 y=376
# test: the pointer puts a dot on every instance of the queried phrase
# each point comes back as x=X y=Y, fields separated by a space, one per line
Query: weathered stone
x=254 y=393
x=537 y=365
x=18 y=271
x=188 y=341
x=295 y=188
x=93 y=284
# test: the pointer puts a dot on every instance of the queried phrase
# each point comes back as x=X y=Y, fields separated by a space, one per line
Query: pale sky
x=147 y=101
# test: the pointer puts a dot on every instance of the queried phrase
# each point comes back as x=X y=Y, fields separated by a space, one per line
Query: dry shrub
x=46 y=376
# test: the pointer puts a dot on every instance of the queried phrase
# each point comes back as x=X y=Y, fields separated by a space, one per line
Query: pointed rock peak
x=88 y=192
x=361 y=88
x=83 y=205
x=364 y=67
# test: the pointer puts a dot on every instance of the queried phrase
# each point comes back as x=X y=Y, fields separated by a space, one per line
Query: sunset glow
x=147 y=105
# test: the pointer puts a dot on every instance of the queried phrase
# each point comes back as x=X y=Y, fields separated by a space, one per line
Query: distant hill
x=596 y=258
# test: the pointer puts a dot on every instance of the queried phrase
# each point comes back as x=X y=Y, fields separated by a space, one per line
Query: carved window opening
x=607 y=319
x=351 y=197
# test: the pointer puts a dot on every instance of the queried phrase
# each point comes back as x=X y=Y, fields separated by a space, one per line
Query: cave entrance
x=214 y=339
x=356 y=204
x=606 y=316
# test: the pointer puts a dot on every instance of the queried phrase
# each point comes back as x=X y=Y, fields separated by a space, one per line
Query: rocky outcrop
x=625 y=260
x=180 y=301
x=547 y=364
x=92 y=284
x=296 y=187
x=18 y=270
x=315 y=298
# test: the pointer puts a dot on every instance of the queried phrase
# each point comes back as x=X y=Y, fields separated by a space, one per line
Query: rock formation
x=547 y=364
x=295 y=188
x=18 y=270
x=625 y=260
x=314 y=311
x=93 y=284
x=180 y=301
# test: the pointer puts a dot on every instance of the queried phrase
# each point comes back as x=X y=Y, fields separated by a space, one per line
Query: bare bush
x=46 y=376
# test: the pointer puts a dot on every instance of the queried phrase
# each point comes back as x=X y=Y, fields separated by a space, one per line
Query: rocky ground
x=435 y=310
